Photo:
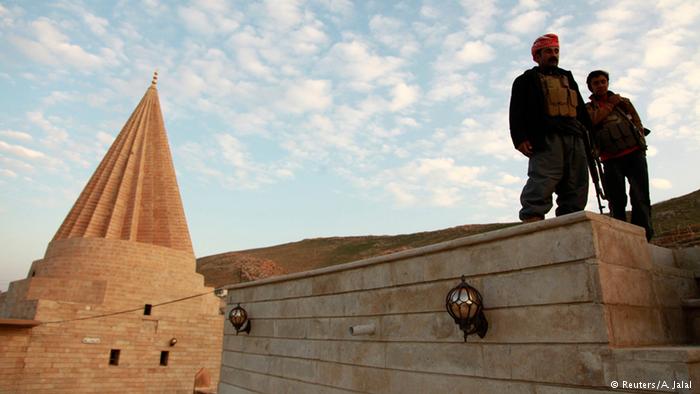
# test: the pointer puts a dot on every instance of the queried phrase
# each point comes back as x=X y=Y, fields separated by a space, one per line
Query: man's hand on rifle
x=525 y=148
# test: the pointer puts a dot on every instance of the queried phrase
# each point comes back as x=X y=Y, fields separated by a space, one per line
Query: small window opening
x=114 y=356
x=147 y=309
x=33 y=273
x=164 y=358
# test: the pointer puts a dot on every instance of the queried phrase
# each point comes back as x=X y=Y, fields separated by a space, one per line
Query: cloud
x=660 y=183
x=104 y=141
x=436 y=181
x=307 y=95
x=16 y=164
x=57 y=97
x=406 y=121
x=475 y=52
x=254 y=122
x=340 y=7
x=52 y=47
x=355 y=62
x=403 y=96
x=20 y=151
x=427 y=11
x=508 y=179
x=6 y=16
x=55 y=134
x=661 y=51
x=481 y=16
x=231 y=154
x=391 y=33
x=209 y=18
x=17 y=135
x=8 y=173
x=679 y=13
x=458 y=54
x=452 y=85
x=283 y=14
x=249 y=61
x=308 y=39
x=233 y=151
x=487 y=136
x=401 y=195
x=527 y=23
x=96 y=24
x=496 y=196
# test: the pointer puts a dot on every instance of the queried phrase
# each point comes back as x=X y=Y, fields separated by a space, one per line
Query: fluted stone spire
x=133 y=194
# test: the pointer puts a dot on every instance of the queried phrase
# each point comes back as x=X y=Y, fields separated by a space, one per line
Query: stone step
x=663 y=369
x=691 y=310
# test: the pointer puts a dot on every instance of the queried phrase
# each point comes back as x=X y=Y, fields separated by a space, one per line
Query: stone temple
x=115 y=305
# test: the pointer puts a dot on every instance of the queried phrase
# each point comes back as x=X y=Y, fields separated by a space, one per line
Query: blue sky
x=292 y=119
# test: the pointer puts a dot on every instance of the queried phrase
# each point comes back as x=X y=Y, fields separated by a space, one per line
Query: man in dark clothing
x=618 y=136
x=548 y=122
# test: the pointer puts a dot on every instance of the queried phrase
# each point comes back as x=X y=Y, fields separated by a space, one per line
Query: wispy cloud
x=7 y=173
x=20 y=151
x=17 y=135
x=393 y=34
x=481 y=16
x=209 y=17
x=437 y=181
x=359 y=66
x=54 y=134
x=528 y=23
x=307 y=95
x=49 y=45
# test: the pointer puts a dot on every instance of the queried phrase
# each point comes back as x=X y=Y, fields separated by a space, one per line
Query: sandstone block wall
x=13 y=346
x=560 y=296
x=79 y=291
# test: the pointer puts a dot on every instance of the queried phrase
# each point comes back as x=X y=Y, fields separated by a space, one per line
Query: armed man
x=618 y=136
x=548 y=124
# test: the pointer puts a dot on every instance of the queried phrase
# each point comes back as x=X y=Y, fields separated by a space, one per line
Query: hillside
x=676 y=222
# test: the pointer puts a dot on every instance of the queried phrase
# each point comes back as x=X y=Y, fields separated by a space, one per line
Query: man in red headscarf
x=548 y=122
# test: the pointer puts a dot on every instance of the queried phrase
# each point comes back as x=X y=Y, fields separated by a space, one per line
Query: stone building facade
x=576 y=304
x=115 y=305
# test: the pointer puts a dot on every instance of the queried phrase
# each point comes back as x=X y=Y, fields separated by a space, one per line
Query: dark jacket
x=528 y=120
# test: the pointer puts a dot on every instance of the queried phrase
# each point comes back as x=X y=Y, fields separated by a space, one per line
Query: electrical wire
x=127 y=311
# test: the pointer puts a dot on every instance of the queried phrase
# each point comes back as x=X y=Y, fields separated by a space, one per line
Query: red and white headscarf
x=547 y=40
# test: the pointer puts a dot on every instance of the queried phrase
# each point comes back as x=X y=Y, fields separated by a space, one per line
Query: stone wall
x=89 y=295
x=13 y=347
x=561 y=296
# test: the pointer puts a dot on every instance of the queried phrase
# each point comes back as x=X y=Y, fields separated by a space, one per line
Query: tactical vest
x=616 y=133
x=559 y=99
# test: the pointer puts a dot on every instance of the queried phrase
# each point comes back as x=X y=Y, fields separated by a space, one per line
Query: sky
x=294 y=119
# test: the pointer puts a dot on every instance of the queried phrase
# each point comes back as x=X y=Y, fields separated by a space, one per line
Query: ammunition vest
x=559 y=99
x=616 y=133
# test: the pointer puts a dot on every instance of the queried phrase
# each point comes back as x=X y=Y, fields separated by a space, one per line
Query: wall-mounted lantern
x=239 y=319
x=173 y=341
x=466 y=307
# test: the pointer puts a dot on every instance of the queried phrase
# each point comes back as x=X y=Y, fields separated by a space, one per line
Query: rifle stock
x=596 y=170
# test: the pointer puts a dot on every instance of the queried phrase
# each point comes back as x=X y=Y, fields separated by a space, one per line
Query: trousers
x=632 y=166
x=559 y=167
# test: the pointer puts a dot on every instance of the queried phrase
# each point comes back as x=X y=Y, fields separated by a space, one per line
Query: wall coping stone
x=19 y=323
x=509 y=232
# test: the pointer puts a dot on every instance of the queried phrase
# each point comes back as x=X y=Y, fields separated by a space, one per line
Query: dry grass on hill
x=676 y=222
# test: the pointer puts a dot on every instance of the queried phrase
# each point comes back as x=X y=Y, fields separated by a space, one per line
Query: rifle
x=596 y=170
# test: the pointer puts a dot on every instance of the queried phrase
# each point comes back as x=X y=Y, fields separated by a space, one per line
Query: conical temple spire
x=133 y=194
